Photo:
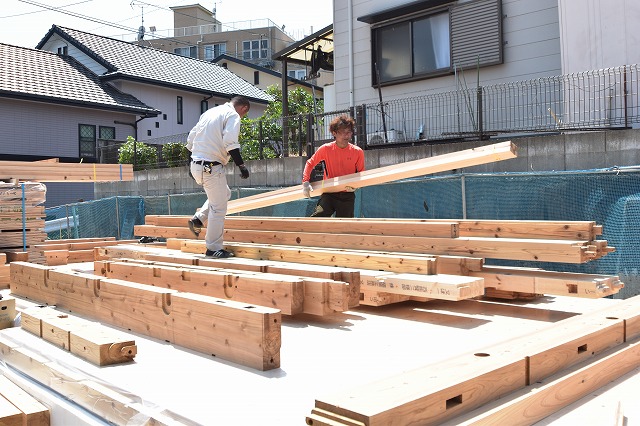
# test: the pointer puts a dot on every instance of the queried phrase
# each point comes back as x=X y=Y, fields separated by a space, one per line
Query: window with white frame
x=299 y=74
x=255 y=49
x=189 y=51
x=212 y=51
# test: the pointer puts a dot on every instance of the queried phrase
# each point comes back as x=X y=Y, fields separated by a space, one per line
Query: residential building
x=79 y=95
x=398 y=49
x=198 y=33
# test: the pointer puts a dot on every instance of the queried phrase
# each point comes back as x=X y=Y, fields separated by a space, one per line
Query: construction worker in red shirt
x=339 y=158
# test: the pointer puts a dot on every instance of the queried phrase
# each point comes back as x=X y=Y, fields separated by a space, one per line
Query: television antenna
x=141 y=29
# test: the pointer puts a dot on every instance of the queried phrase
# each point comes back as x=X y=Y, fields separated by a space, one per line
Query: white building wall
x=56 y=42
x=532 y=50
x=599 y=34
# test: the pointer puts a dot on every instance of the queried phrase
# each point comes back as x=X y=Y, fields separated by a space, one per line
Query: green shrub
x=145 y=154
x=175 y=154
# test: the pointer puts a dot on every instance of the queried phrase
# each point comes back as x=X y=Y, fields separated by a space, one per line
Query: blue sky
x=25 y=22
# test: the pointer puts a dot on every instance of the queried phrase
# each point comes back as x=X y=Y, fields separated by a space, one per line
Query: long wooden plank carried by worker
x=497 y=248
x=455 y=160
x=440 y=392
x=64 y=172
x=239 y=332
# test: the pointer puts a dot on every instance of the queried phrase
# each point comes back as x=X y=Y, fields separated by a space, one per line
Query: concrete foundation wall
x=561 y=152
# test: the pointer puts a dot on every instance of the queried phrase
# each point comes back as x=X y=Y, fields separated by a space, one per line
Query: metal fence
x=592 y=100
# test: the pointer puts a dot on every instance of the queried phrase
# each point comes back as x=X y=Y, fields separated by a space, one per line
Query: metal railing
x=592 y=100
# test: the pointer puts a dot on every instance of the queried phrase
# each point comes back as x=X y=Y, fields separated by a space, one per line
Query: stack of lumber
x=239 y=332
x=407 y=258
x=53 y=171
x=19 y=408
x=75 y=250
x=22 y=219
x=22 y=199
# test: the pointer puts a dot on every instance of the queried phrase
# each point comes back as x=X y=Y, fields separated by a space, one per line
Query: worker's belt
x=208 y=163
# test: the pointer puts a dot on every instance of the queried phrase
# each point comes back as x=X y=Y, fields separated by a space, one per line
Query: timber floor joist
x=535 y=370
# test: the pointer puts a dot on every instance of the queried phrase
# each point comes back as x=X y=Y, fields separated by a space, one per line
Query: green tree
x=145 y=154
x=175 y=154
x=301 y=103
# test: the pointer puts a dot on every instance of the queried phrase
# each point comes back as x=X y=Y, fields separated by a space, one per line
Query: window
x=413 y=48
x=179 y=109
x=214 y=50
x=107 y=133
x=428 y=39
x=87 y=140
x=299 y=74
x=191 y=51
x=255 y=49
x=63 y=50
x=204 y=106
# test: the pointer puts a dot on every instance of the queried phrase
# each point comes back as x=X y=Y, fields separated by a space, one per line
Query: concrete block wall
x=559 y=152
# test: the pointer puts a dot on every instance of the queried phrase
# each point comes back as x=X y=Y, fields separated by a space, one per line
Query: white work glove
x=306 y=189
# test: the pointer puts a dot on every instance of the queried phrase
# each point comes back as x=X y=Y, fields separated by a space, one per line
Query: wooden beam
x=558 y=391
x=441 y=392
x=239 y=332
x=105 y=403
x=497 y=248
x=529 y=280
x=456 y=160
x=34 y=413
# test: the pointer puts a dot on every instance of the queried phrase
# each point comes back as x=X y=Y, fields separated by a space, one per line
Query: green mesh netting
x=610 y=199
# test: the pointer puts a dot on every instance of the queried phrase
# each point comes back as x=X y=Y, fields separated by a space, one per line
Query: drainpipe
x=350 y=33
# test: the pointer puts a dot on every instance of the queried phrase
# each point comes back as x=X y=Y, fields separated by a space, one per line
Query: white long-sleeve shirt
x=215 y=134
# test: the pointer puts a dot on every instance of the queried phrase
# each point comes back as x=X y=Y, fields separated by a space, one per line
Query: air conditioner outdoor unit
x=377 y=138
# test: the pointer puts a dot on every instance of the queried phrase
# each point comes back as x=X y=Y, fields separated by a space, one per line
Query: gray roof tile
x=131 y=61
x=40 y=75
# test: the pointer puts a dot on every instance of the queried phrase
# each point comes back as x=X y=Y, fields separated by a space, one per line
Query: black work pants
x=340 y=203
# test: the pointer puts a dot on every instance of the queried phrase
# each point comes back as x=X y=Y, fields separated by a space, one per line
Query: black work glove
x=244 y=172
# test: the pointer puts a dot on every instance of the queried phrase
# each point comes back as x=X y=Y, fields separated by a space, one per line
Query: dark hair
x=240 y=101
x=342 y=122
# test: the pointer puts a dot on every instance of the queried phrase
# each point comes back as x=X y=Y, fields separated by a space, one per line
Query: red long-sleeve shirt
x=338 y=161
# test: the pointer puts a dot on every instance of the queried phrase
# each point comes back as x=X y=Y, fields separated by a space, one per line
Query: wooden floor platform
x=323 y=354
